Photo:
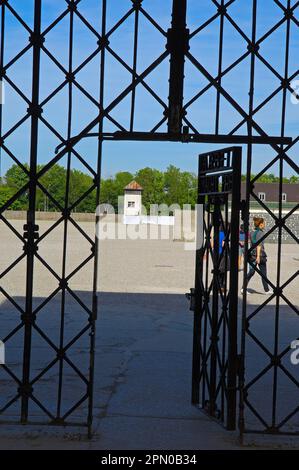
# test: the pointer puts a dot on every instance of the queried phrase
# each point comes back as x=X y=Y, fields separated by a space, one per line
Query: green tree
x=112 y=188
x=294 y=179
x=121 y=180
x=5 y=194
x=79 y=185
x=16 y=178
x=152 y=182
x=170 y=187
x=54 y=181
x=108 y=193
x=180 y=187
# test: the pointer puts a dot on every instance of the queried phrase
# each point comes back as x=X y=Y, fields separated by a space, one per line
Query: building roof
x=133 y=186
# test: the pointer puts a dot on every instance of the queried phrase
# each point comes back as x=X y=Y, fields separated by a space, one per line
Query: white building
x=133 y=208
x=133 y=199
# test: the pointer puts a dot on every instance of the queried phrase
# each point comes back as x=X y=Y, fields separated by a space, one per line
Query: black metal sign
x=216 y=173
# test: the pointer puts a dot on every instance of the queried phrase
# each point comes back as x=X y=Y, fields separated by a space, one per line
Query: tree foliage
x=172 y=186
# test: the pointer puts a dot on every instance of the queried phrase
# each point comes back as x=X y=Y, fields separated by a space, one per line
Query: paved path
x=144 y=340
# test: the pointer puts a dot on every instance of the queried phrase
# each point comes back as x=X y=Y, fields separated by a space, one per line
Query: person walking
x=258 y=255
x=224 y=255
x=241 y=246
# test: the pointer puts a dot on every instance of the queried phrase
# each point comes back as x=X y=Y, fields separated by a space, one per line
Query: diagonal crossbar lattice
x=125 y=75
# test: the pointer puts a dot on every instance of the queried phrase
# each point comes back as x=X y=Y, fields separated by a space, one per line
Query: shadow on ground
x=142 y=374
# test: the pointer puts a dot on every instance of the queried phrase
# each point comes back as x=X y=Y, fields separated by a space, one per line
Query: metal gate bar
x=30 y=231
x=31 y=240
x=266 y=420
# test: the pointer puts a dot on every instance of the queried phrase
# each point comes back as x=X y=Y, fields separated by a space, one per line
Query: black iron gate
x=215 y=349
x=179 y=115
x=242 y=368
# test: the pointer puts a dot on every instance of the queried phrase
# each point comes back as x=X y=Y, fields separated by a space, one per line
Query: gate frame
x=177 y=50
x=234 y=172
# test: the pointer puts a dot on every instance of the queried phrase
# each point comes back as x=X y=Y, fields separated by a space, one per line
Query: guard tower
x=133 y=199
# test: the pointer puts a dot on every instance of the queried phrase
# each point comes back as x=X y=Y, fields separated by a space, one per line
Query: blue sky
x=204 y=46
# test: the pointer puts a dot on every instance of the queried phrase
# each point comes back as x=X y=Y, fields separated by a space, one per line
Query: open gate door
x=215 y=297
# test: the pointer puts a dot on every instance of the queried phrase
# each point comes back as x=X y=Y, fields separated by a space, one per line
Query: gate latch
x=191 y=297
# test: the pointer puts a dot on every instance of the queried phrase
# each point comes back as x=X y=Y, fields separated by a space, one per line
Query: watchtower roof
x=133 y=186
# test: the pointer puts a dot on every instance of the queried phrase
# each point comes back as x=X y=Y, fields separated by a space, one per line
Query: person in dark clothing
x=258 y=255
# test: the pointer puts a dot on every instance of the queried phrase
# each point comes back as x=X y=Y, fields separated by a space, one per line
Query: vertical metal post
x=214 y=323
x=198 y=295
x=2 y=73
x=94 y=315
x=232 y=359
x=245 y=216
x=31 y=229
x=178 y=46
x=66 y=215
x=136 y=6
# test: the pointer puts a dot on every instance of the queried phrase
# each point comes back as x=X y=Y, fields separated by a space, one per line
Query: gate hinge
x=31 y=231
x=191 y=297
